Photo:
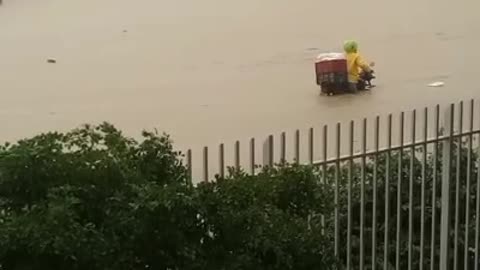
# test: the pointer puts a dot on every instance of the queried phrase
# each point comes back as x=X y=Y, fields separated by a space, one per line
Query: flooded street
x=215 y=70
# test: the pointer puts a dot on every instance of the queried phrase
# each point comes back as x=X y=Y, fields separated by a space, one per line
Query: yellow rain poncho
x=355 y=62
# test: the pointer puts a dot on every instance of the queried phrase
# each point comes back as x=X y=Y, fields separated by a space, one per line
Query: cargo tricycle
x=332 y=75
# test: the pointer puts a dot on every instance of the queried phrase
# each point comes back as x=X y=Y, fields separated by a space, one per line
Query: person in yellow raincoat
x=355 y=64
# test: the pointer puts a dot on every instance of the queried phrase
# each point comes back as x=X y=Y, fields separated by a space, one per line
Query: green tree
x=95 y=199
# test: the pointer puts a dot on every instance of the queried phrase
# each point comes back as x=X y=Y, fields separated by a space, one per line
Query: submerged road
x=215 y=71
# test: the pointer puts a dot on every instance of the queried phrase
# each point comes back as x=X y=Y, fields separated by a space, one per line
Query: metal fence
x=410 y=205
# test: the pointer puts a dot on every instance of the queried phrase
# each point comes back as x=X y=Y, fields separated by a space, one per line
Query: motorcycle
x=365 y=82
x=332 y=75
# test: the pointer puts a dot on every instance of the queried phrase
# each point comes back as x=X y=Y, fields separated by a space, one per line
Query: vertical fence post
x=410 y=192
x=386 y=244
x=237 y=156
x=445 y=200
x=433 y=241
x=189 y=166
x=221 y=160
x=457 y=187
x=325 y=153
x=477 y=215
x=283 y=148
x=205 y=164
x=310 y=146
x=268 y=152
x=337 y=188
x=468 y=187
x=252 y=156
x=350 y=187
x=324 y=176
x=399 y=194
x=374 y=187
x=362 y=193
x=422 y=199
x=297 y=146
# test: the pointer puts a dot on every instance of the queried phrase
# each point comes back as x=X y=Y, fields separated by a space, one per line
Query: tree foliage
x=425 y=173
x=95 y=199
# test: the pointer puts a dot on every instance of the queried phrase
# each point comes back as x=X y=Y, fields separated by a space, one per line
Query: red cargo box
x=331 y=66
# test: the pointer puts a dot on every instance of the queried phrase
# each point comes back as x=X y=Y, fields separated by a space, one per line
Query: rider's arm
x=362 y=64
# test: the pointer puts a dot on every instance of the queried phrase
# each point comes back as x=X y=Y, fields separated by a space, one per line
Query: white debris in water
x=437 y=84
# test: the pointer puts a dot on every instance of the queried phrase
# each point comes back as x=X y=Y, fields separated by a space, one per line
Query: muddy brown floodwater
x=214 y=70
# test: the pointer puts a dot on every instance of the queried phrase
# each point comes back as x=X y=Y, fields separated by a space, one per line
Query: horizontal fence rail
x=410 y=201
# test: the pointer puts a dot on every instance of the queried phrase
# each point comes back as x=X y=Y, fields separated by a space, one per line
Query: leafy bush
x=94 y=199
x=408 y=158
x=268 y=221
